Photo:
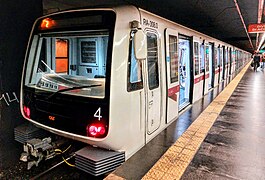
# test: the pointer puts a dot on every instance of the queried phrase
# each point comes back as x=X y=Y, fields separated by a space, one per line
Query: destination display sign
x=256 y=28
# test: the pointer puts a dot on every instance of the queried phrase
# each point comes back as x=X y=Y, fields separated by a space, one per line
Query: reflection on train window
x=61 y=56
x=216 y=55
x=43 y=57
x=232 y=56
x=220 y=57
x=196 y=58
x=173 y=54
x=135 y=80
x=226 y=56
x=207 y=58
x=236 y=57
x=202 y=58
x=152 y=59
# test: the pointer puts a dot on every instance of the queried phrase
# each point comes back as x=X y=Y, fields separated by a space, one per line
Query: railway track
x=51 y=168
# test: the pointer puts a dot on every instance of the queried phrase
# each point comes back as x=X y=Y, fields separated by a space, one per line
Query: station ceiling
x=218 y=18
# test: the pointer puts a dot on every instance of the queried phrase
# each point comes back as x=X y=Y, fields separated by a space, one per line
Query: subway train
x=116 y=77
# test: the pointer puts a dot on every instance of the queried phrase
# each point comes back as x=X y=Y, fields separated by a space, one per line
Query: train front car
x=67 y=77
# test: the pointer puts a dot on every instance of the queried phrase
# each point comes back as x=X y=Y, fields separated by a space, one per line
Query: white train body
x=141 y=96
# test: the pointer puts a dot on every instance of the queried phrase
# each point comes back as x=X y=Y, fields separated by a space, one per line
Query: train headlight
x=26 y=111
x=96 y=130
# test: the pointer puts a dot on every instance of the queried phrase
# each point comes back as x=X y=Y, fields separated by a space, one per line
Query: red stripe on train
x=198 y=79
x=206 y=76
x=173 y=90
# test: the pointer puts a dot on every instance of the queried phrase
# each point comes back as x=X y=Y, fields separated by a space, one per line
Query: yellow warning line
x=174 y=162
x=112 y=176
x=176 y=159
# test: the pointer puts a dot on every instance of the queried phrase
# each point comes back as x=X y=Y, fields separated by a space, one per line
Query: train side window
x=196 y=57
x=228 y=56
x=152 y=60
x=202 y=58
x=135 y=80
x=173 y=55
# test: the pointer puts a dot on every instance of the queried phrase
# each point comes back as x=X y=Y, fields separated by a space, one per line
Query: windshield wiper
x=73 y=88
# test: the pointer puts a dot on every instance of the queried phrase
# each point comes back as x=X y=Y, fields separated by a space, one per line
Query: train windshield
x=70 y=55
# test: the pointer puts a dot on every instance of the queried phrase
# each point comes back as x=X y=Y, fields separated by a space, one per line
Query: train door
x=209 y=54
x=185 y=70
x=61 y=55
x=152 y=83
x=61 y=49
x=216 y=66
x=57 y=57
x=206 y=71
x=172 y=74
x=198 y=67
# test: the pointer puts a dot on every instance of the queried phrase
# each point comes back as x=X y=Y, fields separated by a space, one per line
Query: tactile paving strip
x=188 y=144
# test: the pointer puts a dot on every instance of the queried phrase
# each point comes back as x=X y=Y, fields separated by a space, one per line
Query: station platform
x=219 y=137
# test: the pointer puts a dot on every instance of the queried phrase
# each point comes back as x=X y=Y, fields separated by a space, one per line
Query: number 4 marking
x=98 y=114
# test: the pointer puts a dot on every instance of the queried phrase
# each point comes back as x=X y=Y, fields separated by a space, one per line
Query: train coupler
x=36 y=150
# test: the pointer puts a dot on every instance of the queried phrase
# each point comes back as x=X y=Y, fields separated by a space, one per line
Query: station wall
x=16 y=20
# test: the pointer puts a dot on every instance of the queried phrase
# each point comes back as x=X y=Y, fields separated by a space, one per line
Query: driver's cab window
x=70 y=61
